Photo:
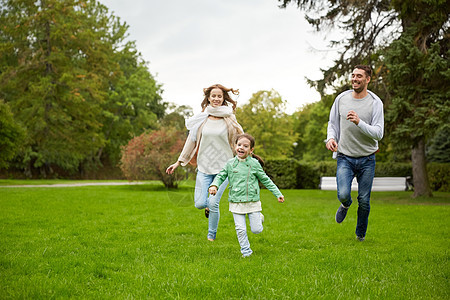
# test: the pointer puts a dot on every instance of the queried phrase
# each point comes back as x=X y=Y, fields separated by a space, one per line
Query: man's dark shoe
x=341 y=213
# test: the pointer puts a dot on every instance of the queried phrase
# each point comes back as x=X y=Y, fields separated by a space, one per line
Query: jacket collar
x=238 y=160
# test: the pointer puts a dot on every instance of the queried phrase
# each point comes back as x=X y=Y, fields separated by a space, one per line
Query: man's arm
x=376 y=129
x=333 y=123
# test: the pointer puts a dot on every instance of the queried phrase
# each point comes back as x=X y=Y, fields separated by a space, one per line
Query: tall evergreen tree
x=405 y=42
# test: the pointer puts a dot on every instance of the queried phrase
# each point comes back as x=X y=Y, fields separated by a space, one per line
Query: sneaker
x=262 y=217
x=207 y=212
x=360 y=238
x=341 y=213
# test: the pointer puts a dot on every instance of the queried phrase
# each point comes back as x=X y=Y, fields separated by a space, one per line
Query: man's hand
x=213 y=190
x=353 y=117
x=332 y=145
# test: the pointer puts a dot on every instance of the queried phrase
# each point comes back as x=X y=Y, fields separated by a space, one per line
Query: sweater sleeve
x=333 y=123
x=375 y=129
x=266 y=181
x=185 y=155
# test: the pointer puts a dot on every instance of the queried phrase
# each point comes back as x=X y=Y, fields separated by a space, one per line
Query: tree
x=72 y=80
x=264 y=118
x=365 y=24
x=379 y=30
x=11 y=135
x=420 y=103
x=311 y=126
x=300 y=121
x=437 y=151
x=315 y=131
x=147 y=156
x=134 y=104
x=177 y=116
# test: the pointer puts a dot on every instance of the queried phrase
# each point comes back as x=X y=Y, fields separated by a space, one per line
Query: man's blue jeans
x=202 y=200
x=364 y=170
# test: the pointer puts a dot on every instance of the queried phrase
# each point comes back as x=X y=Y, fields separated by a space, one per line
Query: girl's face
x=243 y=148
x=216 y=97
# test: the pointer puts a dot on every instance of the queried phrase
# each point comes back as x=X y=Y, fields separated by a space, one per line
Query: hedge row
x=292 y=174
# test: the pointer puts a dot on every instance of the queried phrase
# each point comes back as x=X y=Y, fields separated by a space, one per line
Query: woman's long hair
x=252 y=145
x=226 y=96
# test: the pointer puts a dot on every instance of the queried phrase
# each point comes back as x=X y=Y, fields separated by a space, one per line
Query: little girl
x=243 y=173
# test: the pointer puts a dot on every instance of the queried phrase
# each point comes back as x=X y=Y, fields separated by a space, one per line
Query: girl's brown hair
x=252 y=145
x=226 y=96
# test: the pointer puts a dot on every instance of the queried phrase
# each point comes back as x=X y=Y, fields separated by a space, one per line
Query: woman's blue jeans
x=202 y=200
x=364 y=170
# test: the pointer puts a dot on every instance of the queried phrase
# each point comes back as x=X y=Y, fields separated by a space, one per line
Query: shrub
x=291 y=174
x=283 y=172
x=308 y=176
x=387 y=169
x=439 y=176
x=147 y=156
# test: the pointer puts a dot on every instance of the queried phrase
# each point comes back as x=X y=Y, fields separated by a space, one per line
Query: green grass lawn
x=143 y=241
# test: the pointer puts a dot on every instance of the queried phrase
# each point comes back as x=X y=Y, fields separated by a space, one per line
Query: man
x=355 y=126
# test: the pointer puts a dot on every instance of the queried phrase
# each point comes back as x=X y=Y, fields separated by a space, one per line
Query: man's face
x=359 y=80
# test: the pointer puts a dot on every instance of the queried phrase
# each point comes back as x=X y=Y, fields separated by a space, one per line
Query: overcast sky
x=249 y=45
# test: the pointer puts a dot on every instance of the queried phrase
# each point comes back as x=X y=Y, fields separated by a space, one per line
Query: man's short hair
x=366 y=69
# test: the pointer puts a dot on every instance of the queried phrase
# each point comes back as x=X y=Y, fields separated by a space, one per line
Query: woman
x=210 y=144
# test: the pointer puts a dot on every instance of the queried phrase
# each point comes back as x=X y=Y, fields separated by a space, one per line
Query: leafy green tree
x=264 y=117
x=51 y=75
x=72 y=80
x=311 y=126
x=177 y=116
x=411 y=37
x=300 y=120
x=11 y=135
x=315 y=131
x=134 y=103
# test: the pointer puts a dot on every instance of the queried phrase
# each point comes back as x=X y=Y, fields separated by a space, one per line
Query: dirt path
x=71 y=184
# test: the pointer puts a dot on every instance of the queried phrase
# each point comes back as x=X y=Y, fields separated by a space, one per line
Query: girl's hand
x=172 y=167
x=213 y=190
x=281 y=199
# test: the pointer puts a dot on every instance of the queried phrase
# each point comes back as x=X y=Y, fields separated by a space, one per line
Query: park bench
x=379 y=184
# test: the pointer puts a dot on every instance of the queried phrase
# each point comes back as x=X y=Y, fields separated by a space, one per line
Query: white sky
x=249 y=45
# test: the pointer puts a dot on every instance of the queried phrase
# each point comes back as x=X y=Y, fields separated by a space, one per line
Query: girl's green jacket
x=243 y=177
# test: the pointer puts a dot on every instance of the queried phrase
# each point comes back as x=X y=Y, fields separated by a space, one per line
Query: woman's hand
x=172 y=167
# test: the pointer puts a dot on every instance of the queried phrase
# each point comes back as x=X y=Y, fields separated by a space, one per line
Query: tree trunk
x=419 y=170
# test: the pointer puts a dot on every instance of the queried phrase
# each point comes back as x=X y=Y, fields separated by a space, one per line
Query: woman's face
x=216 y=97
